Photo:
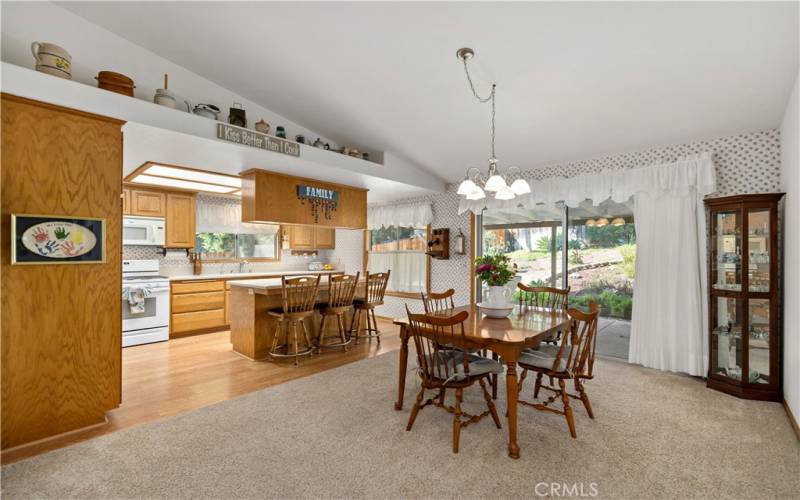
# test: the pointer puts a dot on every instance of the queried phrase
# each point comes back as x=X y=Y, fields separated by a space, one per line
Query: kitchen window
x=401 y=250
x=233 y=247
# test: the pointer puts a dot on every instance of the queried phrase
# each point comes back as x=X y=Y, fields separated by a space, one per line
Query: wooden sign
x=257 y=140
x=323 y=201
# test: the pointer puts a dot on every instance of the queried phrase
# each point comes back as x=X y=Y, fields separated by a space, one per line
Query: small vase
x=497 y=297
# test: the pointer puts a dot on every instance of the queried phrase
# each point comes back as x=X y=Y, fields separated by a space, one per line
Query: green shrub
x=628 y=265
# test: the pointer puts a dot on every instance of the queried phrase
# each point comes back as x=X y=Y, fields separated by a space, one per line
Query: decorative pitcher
x=496 y=297
x=52 y=59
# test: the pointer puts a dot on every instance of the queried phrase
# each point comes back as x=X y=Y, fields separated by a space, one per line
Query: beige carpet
x=335 y=435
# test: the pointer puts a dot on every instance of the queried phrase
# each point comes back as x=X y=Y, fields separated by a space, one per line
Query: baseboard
x=792 y=420
x=8 y=455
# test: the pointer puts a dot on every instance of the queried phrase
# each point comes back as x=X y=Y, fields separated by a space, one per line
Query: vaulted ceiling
x=575 y=80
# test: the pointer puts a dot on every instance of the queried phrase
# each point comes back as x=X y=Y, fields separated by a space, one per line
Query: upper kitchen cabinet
x=180 y=220
x=126 y=201
x=147 y=203
x=324 y=238
x=311 y=238
x=284 y=199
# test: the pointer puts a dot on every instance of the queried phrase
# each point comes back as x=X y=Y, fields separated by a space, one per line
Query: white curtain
x=225 y=216
x=406 y=215
x=408 y=270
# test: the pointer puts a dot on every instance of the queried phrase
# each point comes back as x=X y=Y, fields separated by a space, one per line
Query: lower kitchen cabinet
x=198 y=305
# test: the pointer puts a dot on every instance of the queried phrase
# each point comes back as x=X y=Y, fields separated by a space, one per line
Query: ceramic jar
x=52 y=59
x=164 y=98
x=262 y=126
x=280 y=132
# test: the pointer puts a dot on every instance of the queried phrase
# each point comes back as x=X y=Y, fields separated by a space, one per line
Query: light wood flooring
x=168 y=378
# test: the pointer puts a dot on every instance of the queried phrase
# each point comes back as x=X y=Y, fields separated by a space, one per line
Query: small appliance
x=152 y=323
x=143 y=231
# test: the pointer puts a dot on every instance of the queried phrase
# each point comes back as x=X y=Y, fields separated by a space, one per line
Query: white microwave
x=143 y=231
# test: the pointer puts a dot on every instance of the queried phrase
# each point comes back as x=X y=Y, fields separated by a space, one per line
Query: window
x=230 y=246
x=401 y=250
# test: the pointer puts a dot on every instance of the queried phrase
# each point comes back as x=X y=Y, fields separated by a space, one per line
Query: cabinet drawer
x=198 y=286
x=201 y=301
x=198 y=320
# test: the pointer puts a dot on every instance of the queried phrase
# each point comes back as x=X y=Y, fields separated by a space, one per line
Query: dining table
x=524 y=328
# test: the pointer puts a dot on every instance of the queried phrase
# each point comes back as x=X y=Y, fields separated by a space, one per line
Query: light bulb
x=601 y=222
x=590 y=223
x=466 y=187
x=477 y=194
x=619 y=221
x=504 y=194
x=520 y=186
x=495 y=183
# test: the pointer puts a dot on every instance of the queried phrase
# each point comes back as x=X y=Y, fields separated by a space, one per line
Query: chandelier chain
x=490 y=97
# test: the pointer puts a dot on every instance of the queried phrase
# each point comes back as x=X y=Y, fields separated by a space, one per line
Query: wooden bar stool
x=373 y=297
x=299 y=296
x=341 y=289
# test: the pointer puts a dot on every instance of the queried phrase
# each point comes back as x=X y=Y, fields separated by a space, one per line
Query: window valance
x=418 y=214
x=226 y=217
x=691 y=174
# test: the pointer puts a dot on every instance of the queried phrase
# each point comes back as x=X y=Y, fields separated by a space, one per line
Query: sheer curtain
x=669 y=322
x=408 y=269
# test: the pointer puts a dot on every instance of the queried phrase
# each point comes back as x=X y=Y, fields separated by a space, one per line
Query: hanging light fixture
x=590 y=223
x=601 y=222
x=493 y=181
x=619 y=221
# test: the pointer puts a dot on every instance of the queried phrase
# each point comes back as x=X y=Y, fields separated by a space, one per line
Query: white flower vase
x=496 y=297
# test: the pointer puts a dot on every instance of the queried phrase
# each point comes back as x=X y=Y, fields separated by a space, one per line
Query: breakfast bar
x=252 y=329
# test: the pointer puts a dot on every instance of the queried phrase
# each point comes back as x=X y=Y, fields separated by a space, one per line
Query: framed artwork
x=53 y=239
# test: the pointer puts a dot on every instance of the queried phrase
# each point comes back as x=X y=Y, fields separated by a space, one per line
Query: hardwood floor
x=169 y=378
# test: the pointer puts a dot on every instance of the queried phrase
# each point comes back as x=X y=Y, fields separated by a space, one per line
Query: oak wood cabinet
x=180 y=220
x=126 y=201
x=311 y=238
x=197 y=305
x=147 y=203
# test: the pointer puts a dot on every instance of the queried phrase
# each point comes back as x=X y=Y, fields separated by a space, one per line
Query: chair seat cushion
x=550 y=350
x=541 y=359
x=478 y=365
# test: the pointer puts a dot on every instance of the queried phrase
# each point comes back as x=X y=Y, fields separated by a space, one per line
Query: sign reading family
x=257 y=140
x=323 y=201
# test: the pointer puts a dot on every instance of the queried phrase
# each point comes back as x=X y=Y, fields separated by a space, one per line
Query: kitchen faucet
x=242 y=263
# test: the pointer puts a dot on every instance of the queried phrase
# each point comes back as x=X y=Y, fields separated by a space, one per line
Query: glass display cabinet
x=744 y=296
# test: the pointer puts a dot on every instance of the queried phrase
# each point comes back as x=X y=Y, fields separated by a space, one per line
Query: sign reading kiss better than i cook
x=257 y=140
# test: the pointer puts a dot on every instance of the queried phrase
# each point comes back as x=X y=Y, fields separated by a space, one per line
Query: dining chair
x=452 y=367
x=572 y=359
x=545 y=297
x=375 y=290
x=341 y=289
x=298 y=297
x=435 y=302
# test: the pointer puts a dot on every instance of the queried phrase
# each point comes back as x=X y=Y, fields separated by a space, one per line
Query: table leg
x=511 y=395
x=401 y=381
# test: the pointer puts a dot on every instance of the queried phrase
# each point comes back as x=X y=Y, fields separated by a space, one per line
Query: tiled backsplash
x=347 y=255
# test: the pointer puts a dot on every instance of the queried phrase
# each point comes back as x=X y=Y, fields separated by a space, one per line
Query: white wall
x=93 y=49
x=790 y=181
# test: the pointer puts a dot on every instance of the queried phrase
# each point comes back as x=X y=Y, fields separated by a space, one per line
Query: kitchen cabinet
x=126 y=201
x=197 y=305
x=311 y=238
x=147 y=203
x=180 y=220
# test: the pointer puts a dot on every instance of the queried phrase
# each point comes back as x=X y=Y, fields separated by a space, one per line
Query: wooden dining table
x=525 y=327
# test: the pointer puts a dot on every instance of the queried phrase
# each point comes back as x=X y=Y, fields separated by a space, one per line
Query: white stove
x=149 y=323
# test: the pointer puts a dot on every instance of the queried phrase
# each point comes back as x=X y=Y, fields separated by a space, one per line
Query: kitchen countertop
x=271 y=283
x=189 y=277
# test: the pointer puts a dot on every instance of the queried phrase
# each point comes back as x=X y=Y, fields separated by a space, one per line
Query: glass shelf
x=727 y=265
x=758 y=250
x=726 y=339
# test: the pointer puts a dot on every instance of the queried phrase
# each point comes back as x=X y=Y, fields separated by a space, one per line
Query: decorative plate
x=59 y=240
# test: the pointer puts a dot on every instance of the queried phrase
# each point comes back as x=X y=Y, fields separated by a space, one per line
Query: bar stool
x=373 y=297
x=341 y=289
x=298 y=295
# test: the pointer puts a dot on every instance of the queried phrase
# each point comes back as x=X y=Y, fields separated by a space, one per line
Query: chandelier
x=493 y=182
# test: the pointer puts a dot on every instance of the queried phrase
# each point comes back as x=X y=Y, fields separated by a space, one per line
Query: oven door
x=155 y=314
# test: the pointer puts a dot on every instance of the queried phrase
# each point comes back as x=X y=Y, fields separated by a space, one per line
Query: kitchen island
x=252 y=329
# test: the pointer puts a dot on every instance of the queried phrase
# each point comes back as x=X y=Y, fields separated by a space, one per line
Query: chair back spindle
x=341 y=289
x=376 y=288
x=439 y=364
x=299 y=294
x=577 y=348
x=437 y=302
x=543 y=296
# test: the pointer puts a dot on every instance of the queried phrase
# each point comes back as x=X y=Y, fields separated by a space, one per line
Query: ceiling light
x=590 y=223
x=505 y=193
x=619 y=221
x=181 y=184
x=478 y=194
x=601 y=222
x=520 y=186
x=193 y=175
x=466 y=187
x=495 y=183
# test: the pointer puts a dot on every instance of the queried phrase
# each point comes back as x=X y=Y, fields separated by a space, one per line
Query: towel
x=136 y=295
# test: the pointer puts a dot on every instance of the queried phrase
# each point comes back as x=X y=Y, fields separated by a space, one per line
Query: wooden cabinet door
x=301 y=237
x=147 y=203
x=180 y=223
x=126 y=201
x=324 y=238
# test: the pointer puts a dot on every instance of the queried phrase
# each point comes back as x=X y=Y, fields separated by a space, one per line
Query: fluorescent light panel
x=193 y=175
x=179 y=183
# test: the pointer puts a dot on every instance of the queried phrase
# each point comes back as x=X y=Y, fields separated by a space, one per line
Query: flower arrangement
x=494 y=269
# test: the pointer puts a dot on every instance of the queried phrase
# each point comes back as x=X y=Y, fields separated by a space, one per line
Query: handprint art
x=48 y=248
x=68 y=249
x=61 y=233
x=40 y=235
